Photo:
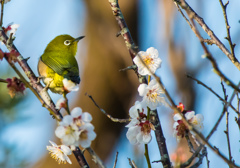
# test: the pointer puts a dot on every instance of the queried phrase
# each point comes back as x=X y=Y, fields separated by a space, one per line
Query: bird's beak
x=79 y=38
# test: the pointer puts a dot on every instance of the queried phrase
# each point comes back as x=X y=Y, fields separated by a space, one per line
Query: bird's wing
x=63 y=65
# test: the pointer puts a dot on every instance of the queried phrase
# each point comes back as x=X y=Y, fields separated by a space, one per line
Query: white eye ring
x=67 y=42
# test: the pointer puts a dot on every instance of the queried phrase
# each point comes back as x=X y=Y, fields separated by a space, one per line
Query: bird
x=58 y=63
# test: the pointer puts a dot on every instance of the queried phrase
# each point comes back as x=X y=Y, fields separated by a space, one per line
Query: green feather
x=61 y=57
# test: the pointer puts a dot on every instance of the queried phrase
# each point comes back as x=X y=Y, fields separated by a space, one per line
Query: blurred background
x=26 y=127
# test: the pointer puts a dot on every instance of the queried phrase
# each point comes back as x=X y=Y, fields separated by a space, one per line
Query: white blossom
x=140 y=133
x=180 y=128
x=195 y=120
x=59 y=153
x=69 y=85
x=153 y=95
x=139 y=128
x=87 y=135
x=76 y=129
x=67 y=131
x=151 y=60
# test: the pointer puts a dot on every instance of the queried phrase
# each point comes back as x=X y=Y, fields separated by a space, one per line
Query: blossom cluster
x=180 y=129
x=139 y=129
x=74 y=130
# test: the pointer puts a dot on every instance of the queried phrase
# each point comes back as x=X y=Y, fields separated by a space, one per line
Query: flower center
x=78 y=121
x=152 y=95
x=69 y=130
x=148 y=60
x=195 y=122
x=145 y=127
x=56 y=155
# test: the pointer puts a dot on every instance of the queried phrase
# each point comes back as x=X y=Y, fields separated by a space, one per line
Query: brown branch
x=105 y=113
x=200 y=158
x=36 y=87
x=46 y=100
x=3 y=81
x=190 y=145
x=161 y=141
x=115 y=162
x=124 y=31
x=80 y=158
x=132 y=163
x=210 y=89
x=95 y=158
x=228 y=139
x=2 y=7
x=193 y=15
x=219 y=73
x=133 y=50
x=224 y=7
x=237 y=119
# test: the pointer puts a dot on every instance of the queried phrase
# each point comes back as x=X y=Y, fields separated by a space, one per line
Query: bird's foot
x=47 y=86
x=39 y=78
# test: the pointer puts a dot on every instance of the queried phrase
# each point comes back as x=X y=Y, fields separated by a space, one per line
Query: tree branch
x=193 y=15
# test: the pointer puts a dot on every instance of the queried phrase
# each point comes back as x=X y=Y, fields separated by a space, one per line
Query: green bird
x=58 y=62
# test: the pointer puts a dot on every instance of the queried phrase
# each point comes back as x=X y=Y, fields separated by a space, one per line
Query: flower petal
x=76 y=112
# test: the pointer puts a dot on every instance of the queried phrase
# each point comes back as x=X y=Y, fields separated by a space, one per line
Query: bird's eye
x=67 y=42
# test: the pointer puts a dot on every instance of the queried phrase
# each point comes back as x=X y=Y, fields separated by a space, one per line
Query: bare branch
x=115 y=162
x=193 y=15
x=105 y=113
x=224 y=7
x=80 y=158
x=228 y=139
x=95 y=157
x=210 y=89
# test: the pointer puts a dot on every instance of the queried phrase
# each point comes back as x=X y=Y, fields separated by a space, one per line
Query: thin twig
x=210 y=89
x=147 y=156
x=208 y=162
x=191 y=15
x=3 y=81
x=95 y=157
x=105 y=113
x=208 y=41
x=184 y=5
x=115 y=162
x=222 y=114
x=47 y=101
x=179 y=9
x=237 y=119
x=224 y=7
x=2 y=7
x=190 y=145
x=228 y=139
x=200 y=158
x=132 y=163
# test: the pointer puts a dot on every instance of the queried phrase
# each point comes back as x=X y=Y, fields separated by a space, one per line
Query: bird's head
x=63 y=43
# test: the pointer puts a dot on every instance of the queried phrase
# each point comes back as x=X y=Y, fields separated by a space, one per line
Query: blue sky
x=41 y=21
